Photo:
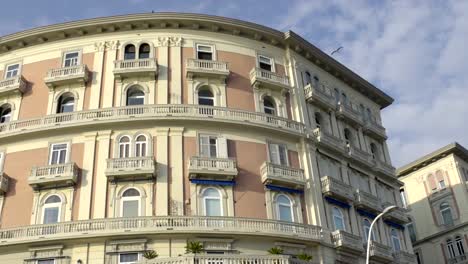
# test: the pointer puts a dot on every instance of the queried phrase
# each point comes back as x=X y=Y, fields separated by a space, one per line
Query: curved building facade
x=126 y=134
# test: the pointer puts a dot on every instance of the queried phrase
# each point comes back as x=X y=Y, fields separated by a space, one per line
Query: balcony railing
x=372 y=126
x=67 y=75
x=54 y=175
x=336 y=188
x=131 y=168
x=346 y=241
x=284 y=176
x=228 y=259
x=153 y=112
x=136 y=67
x=261 y=77
x=4 y=181
x=402 y=257
x=195 y=67
x=329 y=141
x=160 y=225
x=347 y=111
x=367 y=201
x=359 y=155
x=212 y=168
x=321 y=95
x=13 y=85
x=380 y=252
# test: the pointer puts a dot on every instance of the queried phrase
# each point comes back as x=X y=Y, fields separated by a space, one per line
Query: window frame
x=128 y=253
x=78 y=58
x=272 y=62
x=130 y=198
x=219 y=198
x=278 y=146
x=67 y=152
x=278 y=205
x=212 y=48
x=18 y=71
x=57 y=205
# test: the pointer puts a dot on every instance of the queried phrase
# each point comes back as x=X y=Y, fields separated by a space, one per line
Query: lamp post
x=369 y=236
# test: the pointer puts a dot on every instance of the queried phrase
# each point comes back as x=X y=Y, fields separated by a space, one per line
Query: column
x=162 y=185
x=97 y=75
x=176 y=74
x=163 y=70
x=87 y=176
x=177 y=171
x=108 y=81
x=100 y=189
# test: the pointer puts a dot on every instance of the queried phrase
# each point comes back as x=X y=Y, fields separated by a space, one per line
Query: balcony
x=380 y=252
x=134 y=168
x=3 y=183
x=346 y=111
x=320 y=95
x=68 y=75
x=267 y=79
x=50 y=176
x=371 y=126
x=347 y=242
x=366 y=201
x=206 y=68
x=397 y=215
x=402 y=257
x=328 y=141
x=383 y=168
x=164 y=225
x=15 y=85
x=135 y=68
x=336 y=189
x=283 y=176
x=210 y=168
x=359 y=155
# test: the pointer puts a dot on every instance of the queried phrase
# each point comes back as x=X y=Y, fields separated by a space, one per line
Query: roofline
x=452 y=148
x=191 y=21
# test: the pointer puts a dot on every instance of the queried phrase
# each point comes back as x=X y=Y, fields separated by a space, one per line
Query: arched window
x=460 y=246
x=269 y=106
x=130 y=203
x=140 y=146
x=129 y=52
x=446 y=213
x=135 y=96
x=284 y=208
x=66 y=103
x=366 y=226
x=212 y=202
x=205 y=97
x=308 y=78
x=338 y=219
x=144 y=51
x=318 y=119
x=450 y=248
x=124 y=147
x=373 y=149
x=51 y=210
x=395 y=240
x=5 y=113
x=348 y=137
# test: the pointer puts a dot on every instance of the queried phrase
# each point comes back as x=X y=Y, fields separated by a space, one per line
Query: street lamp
x=386 y=210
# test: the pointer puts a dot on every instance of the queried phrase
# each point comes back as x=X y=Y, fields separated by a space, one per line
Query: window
x=269 y=106
x=395 y=240
x=130 y=203
x=5 y=113
x=411 y=231
x=71 y=59
x=204 y=52
x=124 y=147
x=278 y=154
x=284 y=208
x=338 y=219
x=58 y=153
x=51 y=210
x=129 y=258
x=348 y=137
x=446 y=213
x=308 y=78
x=144 y=51
x=366 y=226
x=450 y=248
x=135 y=96
x=373 y=149
x=140 y=146
x=12 y=71
x=212 y=202
x=460 y=246
x=403 y=198
x=46 y=261
x=205 y=97
x=318 y=119
x=129 y=53
x=66 y=103
x=265 y=63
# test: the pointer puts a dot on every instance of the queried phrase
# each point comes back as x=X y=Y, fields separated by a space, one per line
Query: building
x=125 y=134
x=436 y=196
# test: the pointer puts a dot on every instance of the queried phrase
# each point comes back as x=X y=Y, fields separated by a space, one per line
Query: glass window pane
x=130 y=208
x=213 y=207
x=51 y=215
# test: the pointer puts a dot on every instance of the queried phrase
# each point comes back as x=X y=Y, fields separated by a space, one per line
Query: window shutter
x=222 y=147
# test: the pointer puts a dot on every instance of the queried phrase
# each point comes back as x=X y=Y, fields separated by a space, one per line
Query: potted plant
x=305 y=257
x=150 y=254
x=275 y=251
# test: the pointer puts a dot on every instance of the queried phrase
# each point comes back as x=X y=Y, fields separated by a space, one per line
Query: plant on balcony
x=275 y=251
x=304 y=256
x=150 y=254
x=194 y=247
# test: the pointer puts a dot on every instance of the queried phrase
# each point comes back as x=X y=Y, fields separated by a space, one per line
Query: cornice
x=187 y=21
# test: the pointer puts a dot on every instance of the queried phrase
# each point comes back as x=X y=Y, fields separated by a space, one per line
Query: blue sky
x=413 y=50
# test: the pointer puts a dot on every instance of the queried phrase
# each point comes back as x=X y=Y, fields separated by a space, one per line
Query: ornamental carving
x=170 y=41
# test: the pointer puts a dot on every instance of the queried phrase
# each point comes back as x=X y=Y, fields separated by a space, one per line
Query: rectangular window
x=265 y=63
x=278 y=154
x=71 y=59
x=58 y=153
x=204 y=52
x=128 y=258
x=12 y=71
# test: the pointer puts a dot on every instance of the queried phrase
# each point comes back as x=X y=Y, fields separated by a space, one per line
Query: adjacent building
x=436 y=197
x=126 y=134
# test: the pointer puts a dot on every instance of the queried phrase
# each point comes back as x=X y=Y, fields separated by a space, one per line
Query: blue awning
x=365 y=213
x=213 y=182
x=393 y=224
x=336 y=202
x=283 y=189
